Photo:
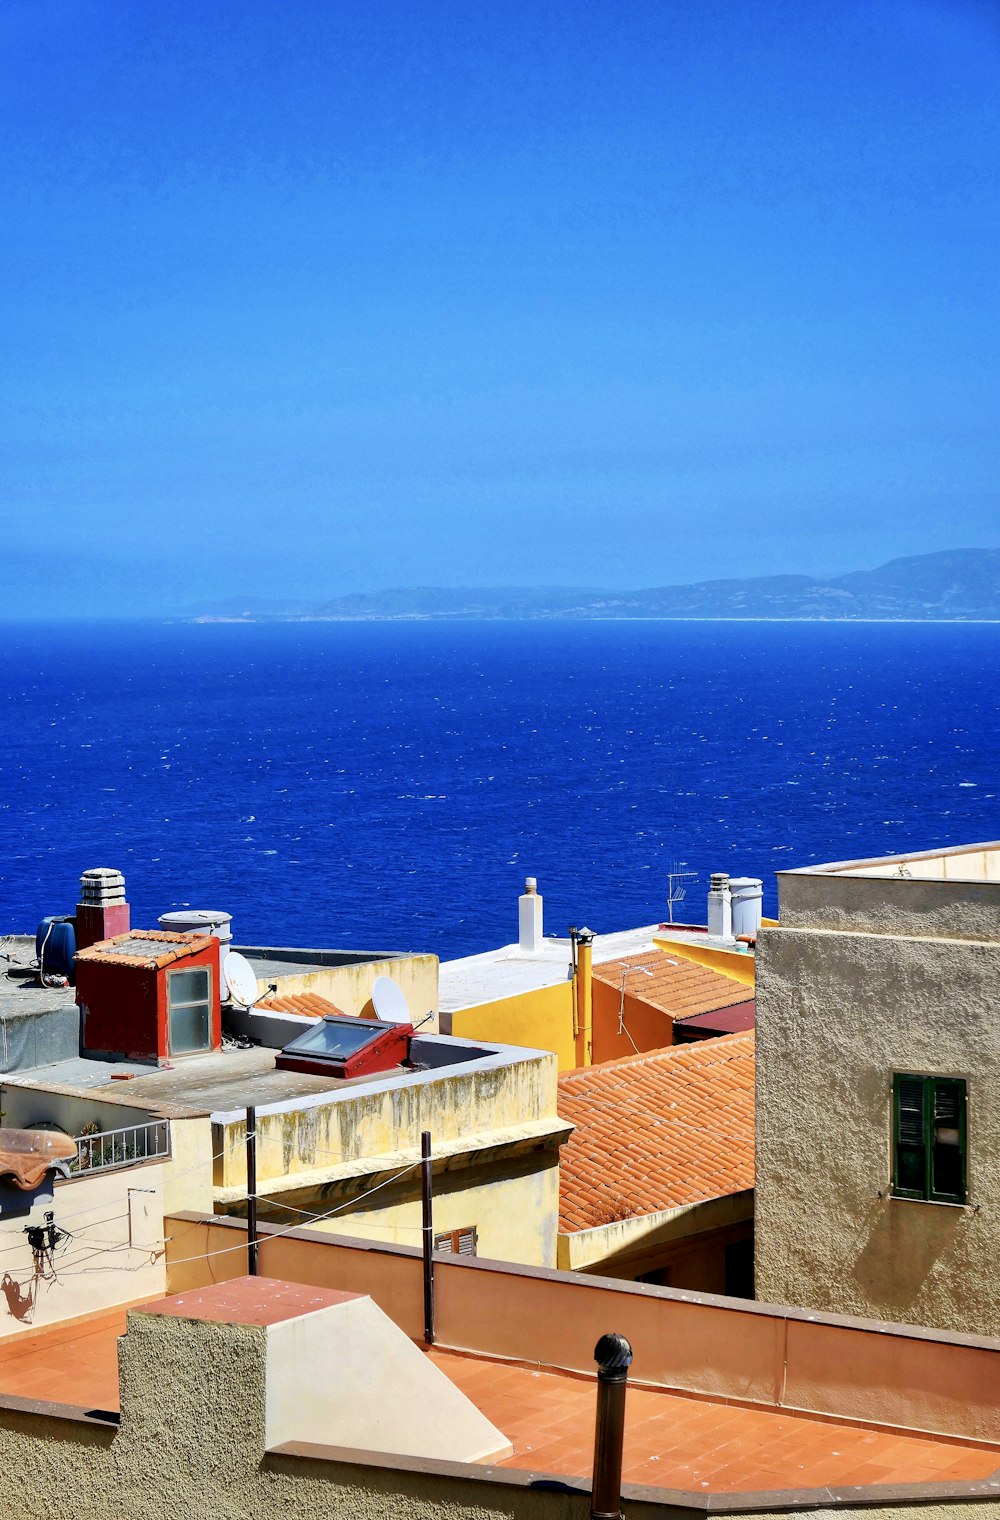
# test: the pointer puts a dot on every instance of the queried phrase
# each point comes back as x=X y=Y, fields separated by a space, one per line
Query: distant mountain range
x=955 y=584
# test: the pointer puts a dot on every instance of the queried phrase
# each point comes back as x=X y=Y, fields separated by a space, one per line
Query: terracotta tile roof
x=656 y=1131
x=676 y=986
x=148 y=948
x=308 y=1004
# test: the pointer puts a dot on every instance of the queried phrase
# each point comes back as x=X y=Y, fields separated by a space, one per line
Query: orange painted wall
x=650 y=1028
x=922 y=1380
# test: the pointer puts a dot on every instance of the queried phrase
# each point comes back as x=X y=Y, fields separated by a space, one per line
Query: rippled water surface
x=390 y=785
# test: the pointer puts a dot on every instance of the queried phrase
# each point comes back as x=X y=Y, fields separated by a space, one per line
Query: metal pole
x=252 y=1262
x=613 y=1355
x=427 y=1235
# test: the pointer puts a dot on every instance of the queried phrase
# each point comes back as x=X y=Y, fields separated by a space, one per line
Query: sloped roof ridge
x=698 y=1053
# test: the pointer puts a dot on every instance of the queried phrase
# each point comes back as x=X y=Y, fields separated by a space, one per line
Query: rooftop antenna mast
x=676 y=891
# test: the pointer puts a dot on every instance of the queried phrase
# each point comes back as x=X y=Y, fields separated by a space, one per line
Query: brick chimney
x=102 y=911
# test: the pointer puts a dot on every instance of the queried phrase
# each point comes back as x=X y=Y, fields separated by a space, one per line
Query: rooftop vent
x=720 y=906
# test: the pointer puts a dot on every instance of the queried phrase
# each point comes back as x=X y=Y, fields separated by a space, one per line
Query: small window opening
x=929 y=1138
x=459 y=1242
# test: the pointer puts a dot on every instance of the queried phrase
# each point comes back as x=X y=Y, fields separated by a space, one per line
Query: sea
x=389 y=786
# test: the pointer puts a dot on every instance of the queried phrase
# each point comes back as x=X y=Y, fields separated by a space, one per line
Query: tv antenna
x=676 y=891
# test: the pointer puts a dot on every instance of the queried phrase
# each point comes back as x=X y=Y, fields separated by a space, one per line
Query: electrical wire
x=276 y=1234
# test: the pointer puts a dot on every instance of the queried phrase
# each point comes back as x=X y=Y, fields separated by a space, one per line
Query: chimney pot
x=102 y=911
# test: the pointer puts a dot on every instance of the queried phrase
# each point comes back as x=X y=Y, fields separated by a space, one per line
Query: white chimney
x=529 y=918
x=720 y=906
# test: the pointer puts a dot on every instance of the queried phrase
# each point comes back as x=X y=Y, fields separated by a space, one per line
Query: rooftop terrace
x=675 y=1440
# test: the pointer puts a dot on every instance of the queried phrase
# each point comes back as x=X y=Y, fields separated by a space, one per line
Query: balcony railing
x=122 y=1147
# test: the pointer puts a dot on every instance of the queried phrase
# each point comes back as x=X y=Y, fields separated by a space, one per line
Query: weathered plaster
x=837 y=1014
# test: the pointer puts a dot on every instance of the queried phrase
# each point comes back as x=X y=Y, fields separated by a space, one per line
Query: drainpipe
x=574 y=931
x=613 y=1355
x=584 y=998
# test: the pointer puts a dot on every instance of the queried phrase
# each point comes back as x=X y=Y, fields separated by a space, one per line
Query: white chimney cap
x=531 y=884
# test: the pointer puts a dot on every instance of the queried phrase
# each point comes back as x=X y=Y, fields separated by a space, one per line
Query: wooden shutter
x=948 y=1180
x=459 y=1242
x=929 y=1143
x=909 y=1136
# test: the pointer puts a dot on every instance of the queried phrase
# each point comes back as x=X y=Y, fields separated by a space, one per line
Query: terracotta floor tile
x=671 y=1441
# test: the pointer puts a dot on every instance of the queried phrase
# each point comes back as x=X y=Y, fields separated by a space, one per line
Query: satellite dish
x=240 y=978
x=389 y=1002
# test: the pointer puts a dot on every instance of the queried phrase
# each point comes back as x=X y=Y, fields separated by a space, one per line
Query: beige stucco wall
x=115 y=1219
x=942 y=909
x=193 y=1458
x=837 y=1014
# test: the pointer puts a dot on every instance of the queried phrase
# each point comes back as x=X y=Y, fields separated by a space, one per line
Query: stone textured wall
x=91 y=1472
x=837 y=1014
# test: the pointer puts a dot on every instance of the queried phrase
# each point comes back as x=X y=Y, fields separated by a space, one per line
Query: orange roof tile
x=678 y=987
x=148 y=948
x=657 y=1131
x=309 y=1004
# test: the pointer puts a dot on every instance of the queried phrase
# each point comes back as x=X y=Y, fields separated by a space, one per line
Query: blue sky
x=304 y=298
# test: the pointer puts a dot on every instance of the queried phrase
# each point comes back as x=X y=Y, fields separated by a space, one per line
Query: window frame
x=207 y=1002
x=454 y=1237
x=930 y=1086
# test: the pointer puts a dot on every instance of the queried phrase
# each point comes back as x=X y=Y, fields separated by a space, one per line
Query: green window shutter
x=910 y=1114
x=948 y=1169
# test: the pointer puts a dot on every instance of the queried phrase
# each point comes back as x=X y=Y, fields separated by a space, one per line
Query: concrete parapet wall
x=385 y=1116
x=347 y=978
x=940 y=909
x=907 y=1378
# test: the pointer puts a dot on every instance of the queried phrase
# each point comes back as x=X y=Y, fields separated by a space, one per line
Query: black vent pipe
x=613 y=1355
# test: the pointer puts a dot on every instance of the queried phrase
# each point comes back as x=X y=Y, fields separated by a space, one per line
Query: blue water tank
x=55 y=945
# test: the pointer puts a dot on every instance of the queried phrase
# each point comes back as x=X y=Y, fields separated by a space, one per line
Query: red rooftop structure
x=150 y=996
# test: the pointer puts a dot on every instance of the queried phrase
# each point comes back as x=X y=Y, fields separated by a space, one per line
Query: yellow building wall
x=385 y=1120
x=732 y=963
x=516 y=1217
x=188 y=1175
x=350 y=987
x=542 y=1020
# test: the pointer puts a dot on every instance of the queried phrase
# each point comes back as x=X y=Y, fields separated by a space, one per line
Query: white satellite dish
x=240 y=977
x=389 y=1002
